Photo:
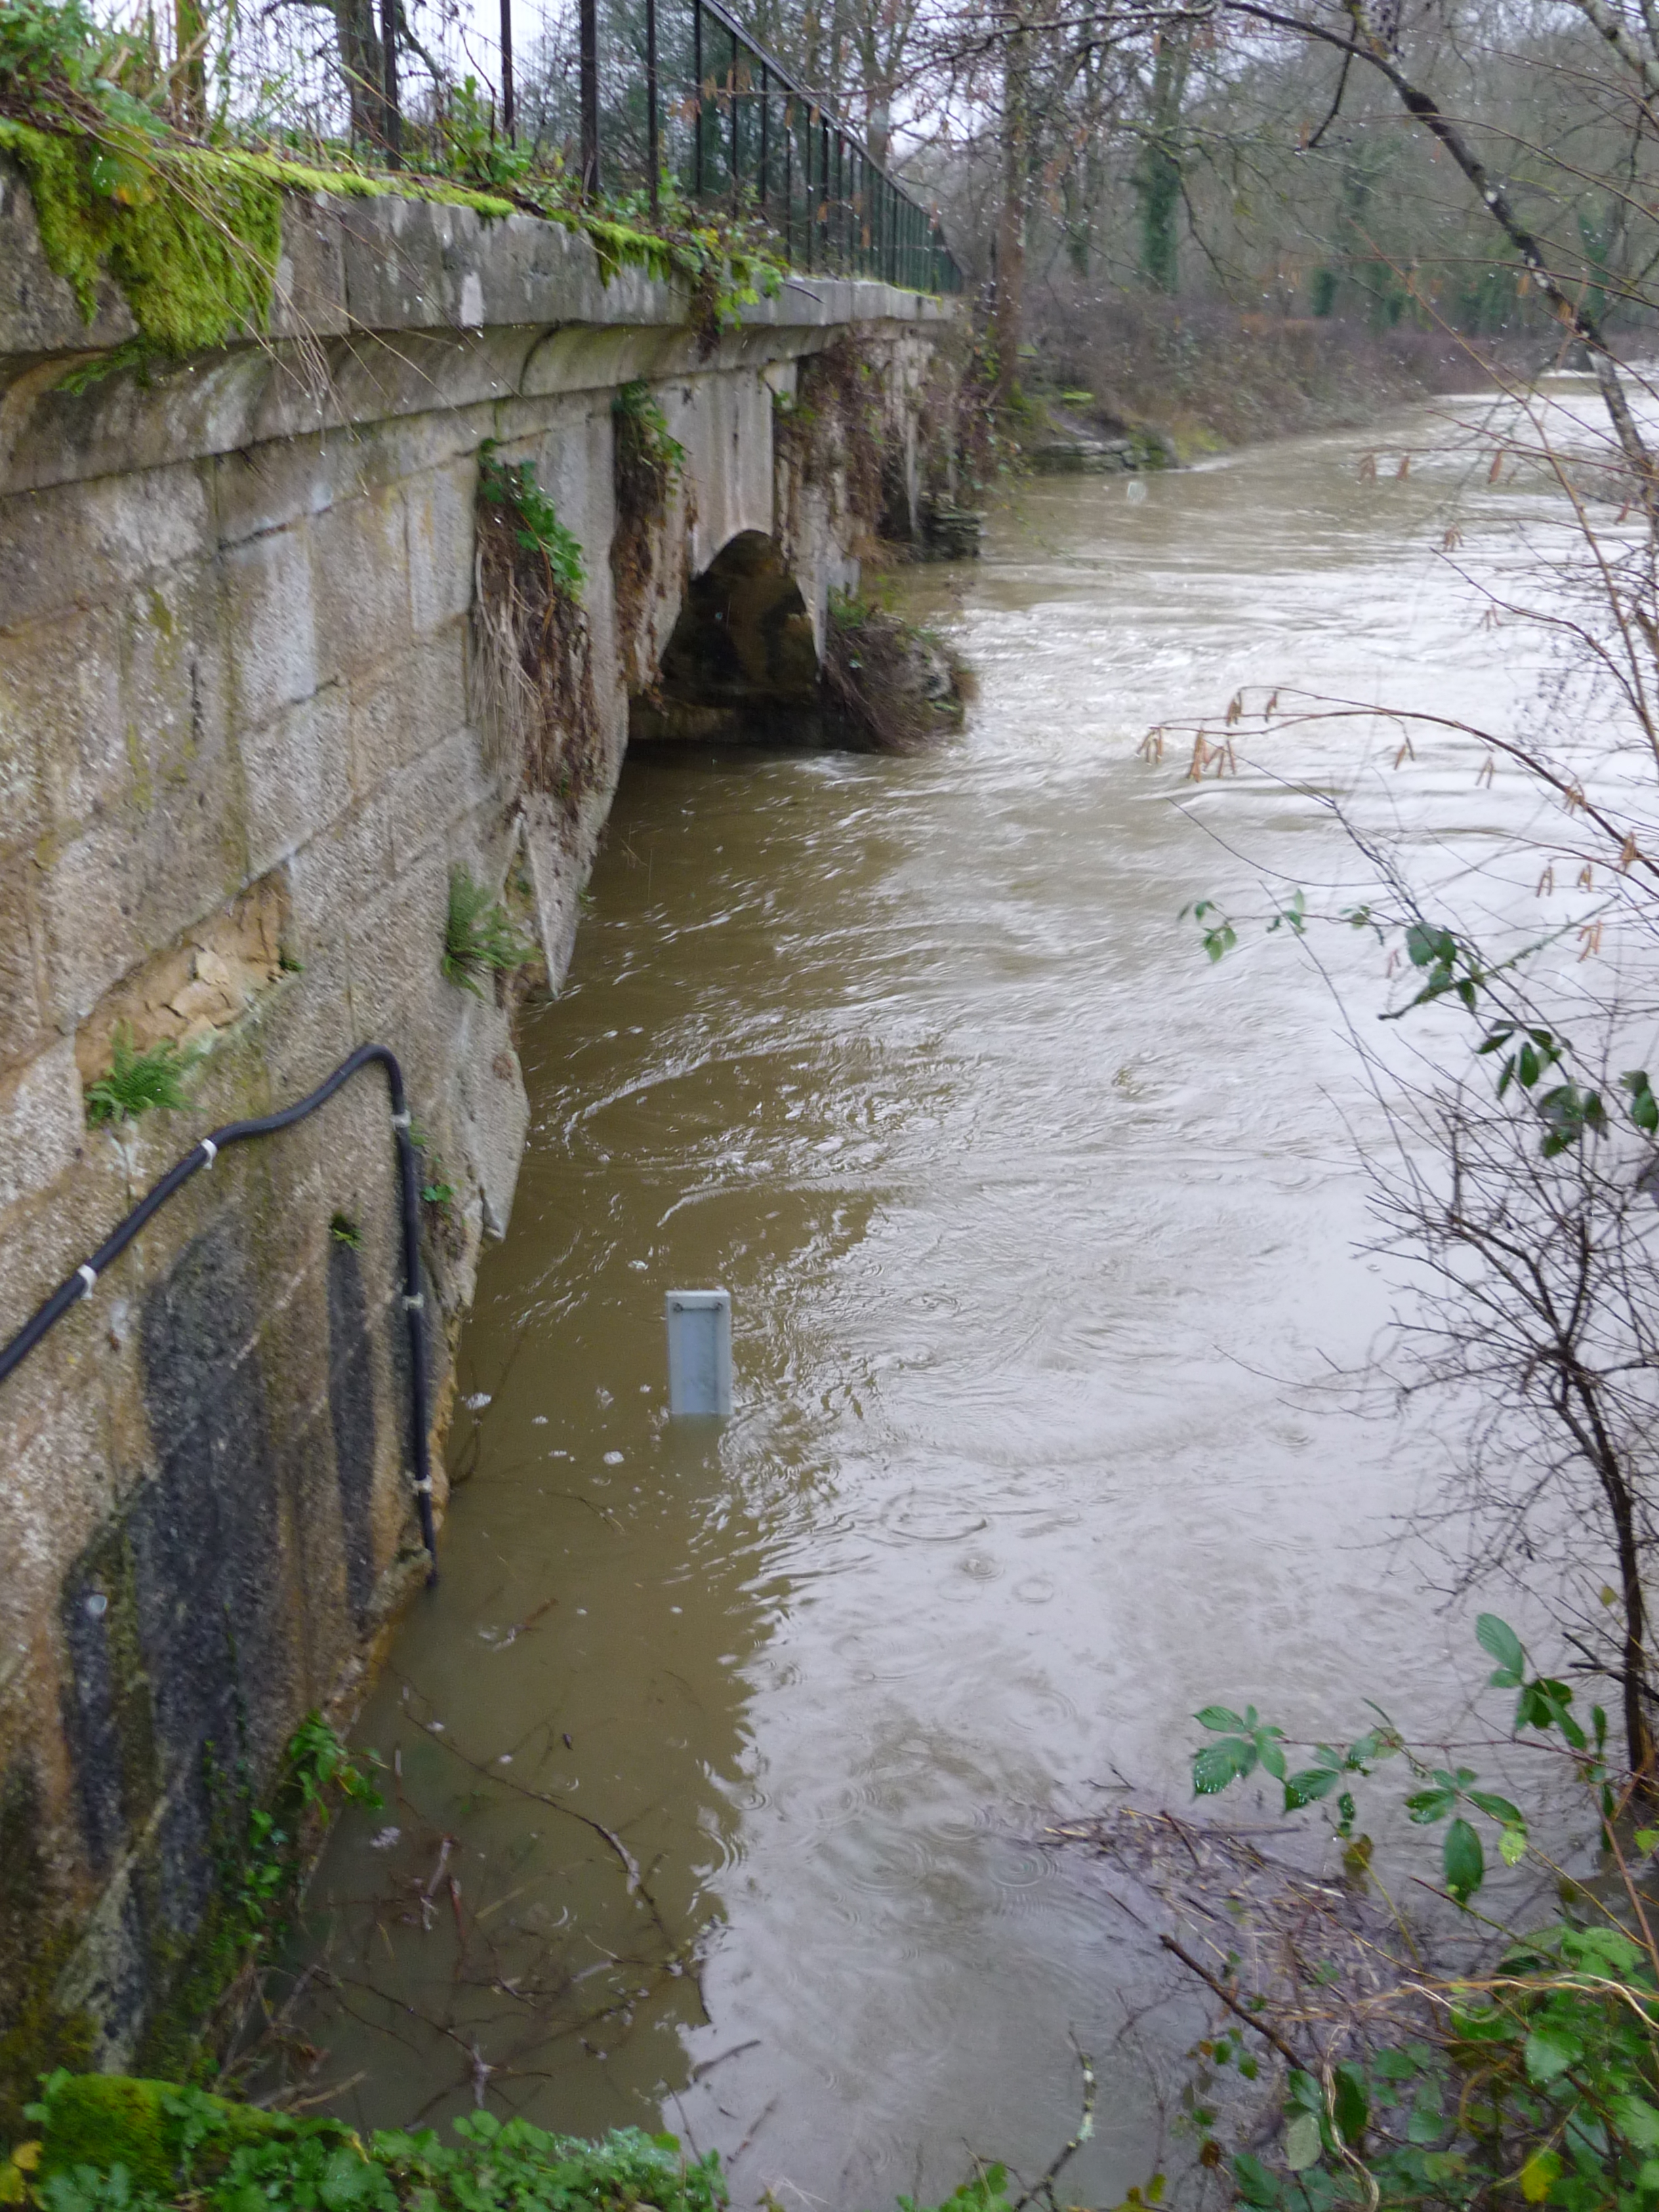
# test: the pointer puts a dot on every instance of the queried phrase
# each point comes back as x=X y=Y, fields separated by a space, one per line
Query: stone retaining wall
x=240 y=756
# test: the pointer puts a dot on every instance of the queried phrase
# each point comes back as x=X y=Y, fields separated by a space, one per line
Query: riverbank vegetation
x=109 y=2143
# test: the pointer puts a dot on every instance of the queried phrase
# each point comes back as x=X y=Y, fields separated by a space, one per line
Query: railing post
x=735 y=156
x=394 y=121
x=696 y=98
x=841 y=197
x=765 y=107
x=590 y=97
x=788 y=178
x=653 y=147
x=507 y=70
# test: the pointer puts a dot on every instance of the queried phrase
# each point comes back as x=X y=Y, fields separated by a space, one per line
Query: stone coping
x=353 y=266
x=384 y=307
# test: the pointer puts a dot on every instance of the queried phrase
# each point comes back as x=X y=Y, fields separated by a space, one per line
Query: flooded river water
x=1034 y=1222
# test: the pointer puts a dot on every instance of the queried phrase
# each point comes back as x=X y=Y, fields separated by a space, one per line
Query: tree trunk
x=1008 y=321
x=1158 y=174
x=365 y=76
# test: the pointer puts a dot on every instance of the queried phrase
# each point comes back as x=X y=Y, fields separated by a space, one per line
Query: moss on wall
x=191 y=238
x=34 y=2034
x=190 y=234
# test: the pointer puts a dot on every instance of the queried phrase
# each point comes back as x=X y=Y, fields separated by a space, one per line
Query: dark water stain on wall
x=176 y=1623
x=351 y=1409
x=207 y=1559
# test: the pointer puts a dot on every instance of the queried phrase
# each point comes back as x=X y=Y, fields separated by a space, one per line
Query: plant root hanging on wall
x=648 y=468
x=534 y=653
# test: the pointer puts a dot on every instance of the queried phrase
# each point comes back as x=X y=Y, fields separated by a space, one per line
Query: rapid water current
x=725 y=1758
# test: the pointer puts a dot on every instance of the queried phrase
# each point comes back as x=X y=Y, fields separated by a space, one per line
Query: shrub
x=1537 y=2070
x=511 y=486
x=137 y=1081
x=479 y=940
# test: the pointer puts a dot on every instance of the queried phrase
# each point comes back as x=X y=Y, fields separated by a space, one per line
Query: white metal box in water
x=700 y=1352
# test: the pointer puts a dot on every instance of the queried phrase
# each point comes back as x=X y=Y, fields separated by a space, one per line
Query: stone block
x=268 y=624
x=407 y=707
x=81 y=545
x=337 y=874
x=439 y=510
x=42 y=1120
x=309 y=298
x=360 y=584
x=23 y=1025
x=122 y=425
x=304 y=1029
x=32 y=675
x=268 y=486
x=399 y=995
x=437 y=792
x=39 y=313
x=132 y=881
x=494 y=1114
x=174 y=686
x=394 y=262
x=60 y=697
x=297 y=775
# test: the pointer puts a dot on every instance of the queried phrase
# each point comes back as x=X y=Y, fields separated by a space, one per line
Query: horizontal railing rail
x=76 y=1288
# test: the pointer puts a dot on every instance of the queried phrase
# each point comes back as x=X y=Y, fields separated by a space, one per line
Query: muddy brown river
x=1036 y=1227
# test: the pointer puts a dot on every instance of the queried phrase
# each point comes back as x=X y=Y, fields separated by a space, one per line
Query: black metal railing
x=651 y=102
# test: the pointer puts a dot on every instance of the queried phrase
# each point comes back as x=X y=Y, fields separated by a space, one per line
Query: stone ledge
x=384 y=265
x=385 y=309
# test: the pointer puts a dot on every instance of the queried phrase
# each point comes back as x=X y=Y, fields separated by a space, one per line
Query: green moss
x=33 y=1952
x=355 y=185
x=102 y=2120
x=191 y=236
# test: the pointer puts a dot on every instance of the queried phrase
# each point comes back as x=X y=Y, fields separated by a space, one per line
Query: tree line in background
x=1276 y=160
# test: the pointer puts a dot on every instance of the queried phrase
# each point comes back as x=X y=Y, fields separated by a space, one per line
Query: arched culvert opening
x=742 y=663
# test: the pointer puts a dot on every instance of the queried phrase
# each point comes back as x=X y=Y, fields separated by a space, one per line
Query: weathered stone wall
x=240 y=754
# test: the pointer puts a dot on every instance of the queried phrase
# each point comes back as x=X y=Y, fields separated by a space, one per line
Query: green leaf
x=1220 y=1764
x=1303 y=2094
x=1351 y=2105
x=1426 y=947
x=1218 y=1716
x=1643 y=1105
x=1512 y=1846
x=1499 y=1641
x=1256 y=2186
x=1428 y=1806
x=1427 y=2123
x=1497 y=1808
x=344 y=2179
x=1552 y=2048
x=1310 y=1784
x=1465 y=1862
x=1636 y=2120
x=1302 y=2143
x=1539 y=2174
x=1647 y=1840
